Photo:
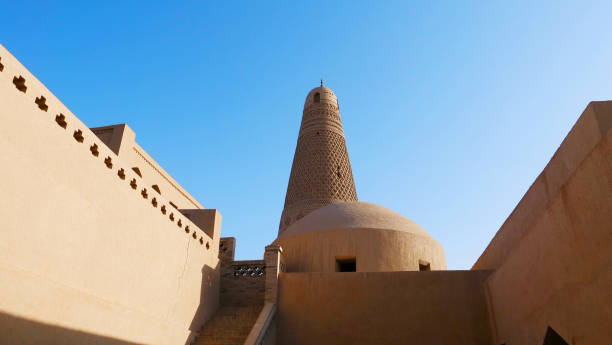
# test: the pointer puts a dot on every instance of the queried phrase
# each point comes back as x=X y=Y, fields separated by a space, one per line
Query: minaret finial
x=321 y=82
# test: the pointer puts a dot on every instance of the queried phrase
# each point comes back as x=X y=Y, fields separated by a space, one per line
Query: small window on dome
x=346 y=264
x=424 y=265
x=317 y=97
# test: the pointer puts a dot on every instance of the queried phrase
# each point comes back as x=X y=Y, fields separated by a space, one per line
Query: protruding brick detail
x=227 y=246
x=321 y=173
x=274 y=265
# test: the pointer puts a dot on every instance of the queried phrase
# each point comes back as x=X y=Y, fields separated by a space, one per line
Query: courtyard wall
x=89 y=253
x=432 y=307
x=552 y=258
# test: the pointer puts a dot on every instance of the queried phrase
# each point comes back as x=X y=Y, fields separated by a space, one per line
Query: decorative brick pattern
x=249 y=270
x=242 y=283
x=321 y=173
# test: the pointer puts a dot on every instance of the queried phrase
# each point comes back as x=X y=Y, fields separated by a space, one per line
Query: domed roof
x=321 y=89
x=352 y=215
x=326 y=95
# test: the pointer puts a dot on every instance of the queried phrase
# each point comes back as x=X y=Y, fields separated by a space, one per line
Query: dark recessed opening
x=94 y=150
x=20 y=83
x=156 y=188
x=137 y=171
x=346 y=264
x=317 y=97
x=41 y=102
x=78 y=134
x=61 y=120
x=553 y=338
x=424 y=265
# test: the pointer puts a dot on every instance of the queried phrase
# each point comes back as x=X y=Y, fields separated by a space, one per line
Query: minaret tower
x=321 y=173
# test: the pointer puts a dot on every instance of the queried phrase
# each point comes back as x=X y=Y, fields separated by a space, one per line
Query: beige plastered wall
x=121 y=139
x=553 y=256
x=80 y=249
x=434 y=307
x=375 y=250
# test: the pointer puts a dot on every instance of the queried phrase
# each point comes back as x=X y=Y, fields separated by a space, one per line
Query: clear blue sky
x=451 y=109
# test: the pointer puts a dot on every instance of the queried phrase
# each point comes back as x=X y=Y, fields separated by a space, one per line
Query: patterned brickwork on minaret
x=321 y=173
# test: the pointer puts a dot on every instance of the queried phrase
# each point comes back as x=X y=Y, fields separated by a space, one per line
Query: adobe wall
x=121 y=139
x=552 y=256
x=375 y=250
x=86 y=253
x=243 y=283
x=433 y=307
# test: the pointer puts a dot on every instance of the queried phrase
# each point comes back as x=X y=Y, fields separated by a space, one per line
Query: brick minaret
x=321 y=173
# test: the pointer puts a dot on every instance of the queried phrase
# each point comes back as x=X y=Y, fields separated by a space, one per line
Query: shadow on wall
x=208 y=294
x=16 y=330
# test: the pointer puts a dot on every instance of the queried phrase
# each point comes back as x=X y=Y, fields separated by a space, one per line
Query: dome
x=371 y=237
x=325 y=95
x=353 y=215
